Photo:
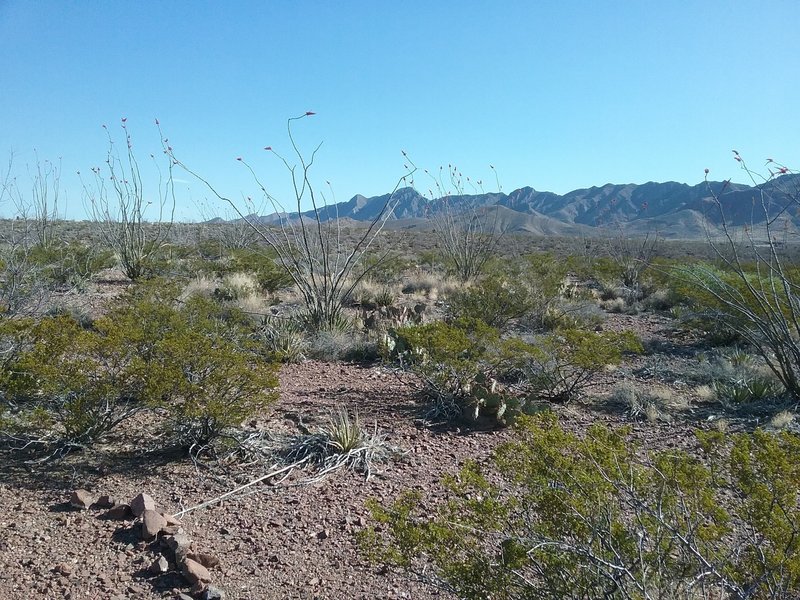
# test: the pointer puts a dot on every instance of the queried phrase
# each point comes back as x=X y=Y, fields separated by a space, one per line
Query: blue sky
x=557 y=95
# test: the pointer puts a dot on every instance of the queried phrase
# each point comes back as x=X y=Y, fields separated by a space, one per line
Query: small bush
x=285 y=339
x=562 y=516
x=194 y=359
x=345 y=433
x=448 y=358
x=493 y=300
x=467 y=370
x=270 y=277
x=70 y=263
x=561 y=366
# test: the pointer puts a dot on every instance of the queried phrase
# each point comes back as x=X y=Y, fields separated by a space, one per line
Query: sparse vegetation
x=119 y=202
x=563 y=509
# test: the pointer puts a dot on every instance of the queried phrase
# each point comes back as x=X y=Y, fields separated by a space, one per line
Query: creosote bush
x=594 y=516
x=193 y=359
x=494 y=300
x=469 y=370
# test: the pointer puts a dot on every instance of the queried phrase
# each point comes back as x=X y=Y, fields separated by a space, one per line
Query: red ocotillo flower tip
x=783 y=170
x=157 y=123
x=268 y=148
x=104 y=127
x=124 y=119
x=737 y=158
x=239 y=158
x=770 y=160
x=310 y=113
x=169 y=148
x=706 y=171
x=735 y=152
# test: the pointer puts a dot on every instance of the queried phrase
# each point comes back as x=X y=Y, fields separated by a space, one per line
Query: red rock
x=194 y=572
x=81 y=499
x=141 y=503
x=209 y=561
x=152 y=524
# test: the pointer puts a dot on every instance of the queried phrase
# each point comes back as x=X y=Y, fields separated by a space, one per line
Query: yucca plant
x=344 y=432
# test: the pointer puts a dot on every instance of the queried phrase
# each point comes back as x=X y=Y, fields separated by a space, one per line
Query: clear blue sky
x=556 y=95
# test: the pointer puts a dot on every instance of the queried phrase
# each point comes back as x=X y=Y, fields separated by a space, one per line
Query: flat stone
x=209 y=561
x=152 y=524
x=141 y=503
x=194 y=572
x=81 y=499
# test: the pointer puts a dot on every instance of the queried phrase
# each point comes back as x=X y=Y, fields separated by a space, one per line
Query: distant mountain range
x=674 y=210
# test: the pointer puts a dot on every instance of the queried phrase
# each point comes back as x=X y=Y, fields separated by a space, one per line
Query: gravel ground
x=286 y=540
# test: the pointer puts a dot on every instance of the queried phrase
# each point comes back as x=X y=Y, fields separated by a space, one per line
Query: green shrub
x=69 y=373
x=466 y=367
x=561 y=366
x=193 y=359
x=70 y=263
x=448 y=357
x=494 y=300
x=384 y=268
x=208 y=384
x=564 y=516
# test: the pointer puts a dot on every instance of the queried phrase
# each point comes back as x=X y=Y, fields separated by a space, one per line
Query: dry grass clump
x=343 y=443
x=431 y=285
x=657 y=403
x=254 y=304
x=373 y=294
x=782 y=420
x=199 y=286
x=705 y=393
x=614 y=305
x=241 y=284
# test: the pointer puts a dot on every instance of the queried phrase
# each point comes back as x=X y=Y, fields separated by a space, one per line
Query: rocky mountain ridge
x=675 y=210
